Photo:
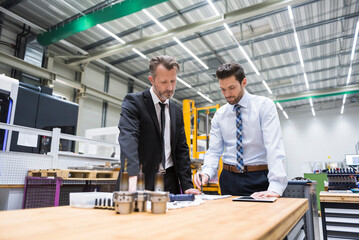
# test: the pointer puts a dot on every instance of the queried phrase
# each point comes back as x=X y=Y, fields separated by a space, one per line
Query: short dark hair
x=229 y=69
x=167 y=61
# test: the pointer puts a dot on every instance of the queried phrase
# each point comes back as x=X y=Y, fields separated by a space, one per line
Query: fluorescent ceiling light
x=349 y=73
x=298 y=49
x=290 y=13
x=73 y=8
x=190 y=53
x=248 y=59
x=266 y=86
x=279 y=106
x=313 y=112
x=213 y=7
x=344 y=98
x=154 y=19
x=139 y=53
x=204 y=96
x=228 y=29
x=306 y=80
x=355 y=41
x=342 y=110
x=311 y=102
x=285 y=115
x=111 y=34
x=55 y=9
x=184 y=83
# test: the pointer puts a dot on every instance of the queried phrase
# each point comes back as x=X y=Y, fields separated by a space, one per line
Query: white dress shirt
x=262 y=139
x=167 y=134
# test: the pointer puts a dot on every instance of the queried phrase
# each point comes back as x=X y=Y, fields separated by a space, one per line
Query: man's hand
x=198 y=182
x=192 y=190
x=264 y=194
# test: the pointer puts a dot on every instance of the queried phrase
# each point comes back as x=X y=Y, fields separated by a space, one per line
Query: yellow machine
x=190 y=113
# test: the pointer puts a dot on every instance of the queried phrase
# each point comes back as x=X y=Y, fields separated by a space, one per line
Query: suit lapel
x=151 y=108
x=173 y=122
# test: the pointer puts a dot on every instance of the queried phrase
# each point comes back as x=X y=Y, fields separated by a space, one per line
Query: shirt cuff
x=277 y=187
x=209 y=172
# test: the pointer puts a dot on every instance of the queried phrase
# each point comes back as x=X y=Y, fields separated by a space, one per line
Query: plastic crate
x=50 y=192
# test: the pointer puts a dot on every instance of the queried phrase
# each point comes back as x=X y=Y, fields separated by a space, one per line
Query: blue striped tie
x=239 y=135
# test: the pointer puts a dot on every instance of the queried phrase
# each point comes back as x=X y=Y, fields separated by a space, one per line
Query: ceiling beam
x=318 y=93
x=10 y=3
x=147 y=24
x=243 y=43
x=285 y=86
x=265 y=70
x=106 y=14
x=199 y=26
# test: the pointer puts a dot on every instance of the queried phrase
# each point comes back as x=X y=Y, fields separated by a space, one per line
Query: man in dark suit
x=152 y=131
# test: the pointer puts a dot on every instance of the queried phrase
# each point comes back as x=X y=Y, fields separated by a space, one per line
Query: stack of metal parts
x=126 y=202
x=342 y=179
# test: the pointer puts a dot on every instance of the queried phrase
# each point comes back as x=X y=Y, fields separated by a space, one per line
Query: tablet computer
x=250 y=199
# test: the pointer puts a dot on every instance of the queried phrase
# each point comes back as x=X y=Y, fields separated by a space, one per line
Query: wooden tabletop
x=216 y=219
x=339 y=197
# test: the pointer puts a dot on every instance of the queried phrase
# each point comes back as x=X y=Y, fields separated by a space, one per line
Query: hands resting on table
x=256 y=195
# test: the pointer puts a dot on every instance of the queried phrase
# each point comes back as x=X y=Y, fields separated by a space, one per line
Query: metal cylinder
x=141 y=201
x=124 y=202
x=159 y=202
x=159 y=182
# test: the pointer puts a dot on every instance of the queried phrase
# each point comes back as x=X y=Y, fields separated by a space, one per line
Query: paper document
x=27 y=140
x=212 y=197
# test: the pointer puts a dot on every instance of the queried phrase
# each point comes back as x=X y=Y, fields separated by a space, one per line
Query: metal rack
x=306 y=189
x=14 y=165
x=190 y=114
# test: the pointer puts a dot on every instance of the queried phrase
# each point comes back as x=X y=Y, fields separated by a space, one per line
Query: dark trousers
x=171 y=181
x=243 y=184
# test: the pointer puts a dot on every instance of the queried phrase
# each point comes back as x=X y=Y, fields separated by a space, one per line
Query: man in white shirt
x=246 y=132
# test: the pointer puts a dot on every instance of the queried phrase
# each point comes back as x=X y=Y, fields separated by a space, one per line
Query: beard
x=167 y=94
x=235 y=99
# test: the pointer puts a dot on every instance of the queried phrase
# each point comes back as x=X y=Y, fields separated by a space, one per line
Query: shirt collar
x=155 y=99
x=243 y=102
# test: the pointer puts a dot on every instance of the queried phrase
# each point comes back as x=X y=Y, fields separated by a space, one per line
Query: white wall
x=327 y=137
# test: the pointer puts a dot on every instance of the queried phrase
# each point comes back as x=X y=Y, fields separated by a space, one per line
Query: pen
x=200 y=178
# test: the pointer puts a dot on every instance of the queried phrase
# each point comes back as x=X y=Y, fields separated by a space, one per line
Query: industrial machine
x=31 y=106
x=8 y=96
x=190 y=118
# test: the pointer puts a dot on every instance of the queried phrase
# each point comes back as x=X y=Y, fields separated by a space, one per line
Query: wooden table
x=216 y=219
x=340 y=214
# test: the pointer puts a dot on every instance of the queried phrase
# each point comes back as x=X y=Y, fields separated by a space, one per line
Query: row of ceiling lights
x=190 y=52
x=291 y=17
x=290 y=12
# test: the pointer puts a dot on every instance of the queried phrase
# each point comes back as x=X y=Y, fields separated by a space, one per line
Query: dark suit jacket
x=140 y=139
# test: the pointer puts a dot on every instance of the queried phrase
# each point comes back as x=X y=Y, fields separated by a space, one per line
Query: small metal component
x=159 y=182
x=109 y=205
x=124 y=178
x=124 y=202
x=141 y=201
x=141 y=180
x=158 y=201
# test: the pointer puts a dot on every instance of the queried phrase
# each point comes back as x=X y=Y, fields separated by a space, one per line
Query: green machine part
x=106 y=14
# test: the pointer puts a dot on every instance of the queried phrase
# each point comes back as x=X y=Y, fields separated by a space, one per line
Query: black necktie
x=163 y=123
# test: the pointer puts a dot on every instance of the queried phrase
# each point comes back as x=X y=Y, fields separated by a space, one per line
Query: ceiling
x=325 y=31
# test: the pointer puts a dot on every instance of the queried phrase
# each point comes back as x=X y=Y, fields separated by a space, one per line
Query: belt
x=232 y=168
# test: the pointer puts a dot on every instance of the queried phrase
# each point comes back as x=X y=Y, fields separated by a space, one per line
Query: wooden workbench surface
x=339 y=197
x=216 y=219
